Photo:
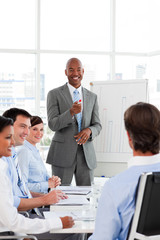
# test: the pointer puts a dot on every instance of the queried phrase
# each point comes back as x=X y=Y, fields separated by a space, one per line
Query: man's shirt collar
x=144 y=160
x=71 y=88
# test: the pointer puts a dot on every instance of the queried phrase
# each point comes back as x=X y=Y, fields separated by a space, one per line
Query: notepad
x=73 y=200
x=75 y=190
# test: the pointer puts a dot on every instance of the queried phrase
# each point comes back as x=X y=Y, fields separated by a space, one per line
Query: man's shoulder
x=88 y=92
x=54 y=90
x=22 y=150
x=123 y=178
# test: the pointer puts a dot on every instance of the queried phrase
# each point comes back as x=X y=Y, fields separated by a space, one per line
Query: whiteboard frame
x=118 y=156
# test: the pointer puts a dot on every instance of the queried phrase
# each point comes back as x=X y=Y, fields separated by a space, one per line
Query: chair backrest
x=146 y=220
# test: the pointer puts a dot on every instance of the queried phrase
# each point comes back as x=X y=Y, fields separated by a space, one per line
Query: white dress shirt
x=72 y=89
x=11 y=220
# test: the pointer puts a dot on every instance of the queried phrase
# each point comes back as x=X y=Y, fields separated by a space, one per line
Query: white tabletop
x=81 y=226
x=85 y=225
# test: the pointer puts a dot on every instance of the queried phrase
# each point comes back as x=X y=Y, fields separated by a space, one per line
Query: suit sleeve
x=56 y=119
x=95 y=121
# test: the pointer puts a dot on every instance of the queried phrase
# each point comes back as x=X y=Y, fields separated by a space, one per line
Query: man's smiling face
x=21 y=129
x=74 y=72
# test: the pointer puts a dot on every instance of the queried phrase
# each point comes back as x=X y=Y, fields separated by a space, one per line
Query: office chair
x=146 y=219
x=24 y=213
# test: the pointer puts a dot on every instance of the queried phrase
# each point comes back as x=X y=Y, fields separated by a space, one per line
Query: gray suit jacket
x=63 y=148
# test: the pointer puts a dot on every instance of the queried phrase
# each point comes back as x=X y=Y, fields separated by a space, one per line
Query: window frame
x=38 y=51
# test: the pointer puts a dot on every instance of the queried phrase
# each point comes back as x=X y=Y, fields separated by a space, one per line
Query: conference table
x=81 y=226
x=86 y=213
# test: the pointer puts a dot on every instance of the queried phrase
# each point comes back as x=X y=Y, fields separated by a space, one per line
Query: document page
x=75 y=189
x=87 y=215
x=73 y=200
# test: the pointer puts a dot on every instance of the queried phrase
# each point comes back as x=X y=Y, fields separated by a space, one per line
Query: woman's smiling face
x=6 y=141
x=36 y=134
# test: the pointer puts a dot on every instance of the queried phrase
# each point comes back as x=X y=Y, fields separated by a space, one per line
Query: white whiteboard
x=114 y=97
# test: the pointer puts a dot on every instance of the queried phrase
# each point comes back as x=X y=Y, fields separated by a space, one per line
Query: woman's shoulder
x=3 y=166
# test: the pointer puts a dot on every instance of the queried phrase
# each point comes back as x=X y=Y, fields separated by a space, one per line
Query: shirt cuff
x=44 y=187
x=90 y=137
x=16 y=201
x=55 y=223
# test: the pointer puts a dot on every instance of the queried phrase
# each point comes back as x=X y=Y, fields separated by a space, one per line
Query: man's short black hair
x=14 y=112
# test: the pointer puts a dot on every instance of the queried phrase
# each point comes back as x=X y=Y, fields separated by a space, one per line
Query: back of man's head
x=14 y=112
x=142 y=121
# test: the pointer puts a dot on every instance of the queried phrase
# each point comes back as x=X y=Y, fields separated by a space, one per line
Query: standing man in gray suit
x=73 y=116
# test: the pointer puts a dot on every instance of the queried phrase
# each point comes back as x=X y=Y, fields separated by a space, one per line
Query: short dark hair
x=14 y=112
x=142 y=121
x=36 y=120
x=4 y=122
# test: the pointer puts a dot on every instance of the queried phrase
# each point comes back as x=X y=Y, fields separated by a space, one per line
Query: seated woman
x=32 y=166
x=10 y=220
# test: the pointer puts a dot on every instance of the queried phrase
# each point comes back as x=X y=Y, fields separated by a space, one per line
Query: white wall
x=109 y=169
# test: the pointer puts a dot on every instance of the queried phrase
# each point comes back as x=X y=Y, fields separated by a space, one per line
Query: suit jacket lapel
x=69 y=101
x=67 y=95
x=85 y=104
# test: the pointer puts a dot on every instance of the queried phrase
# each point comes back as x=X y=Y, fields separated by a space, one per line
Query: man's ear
x=66 y=72
x=129 y=140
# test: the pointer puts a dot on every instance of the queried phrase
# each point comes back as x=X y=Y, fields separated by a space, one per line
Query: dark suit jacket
x=63 y=148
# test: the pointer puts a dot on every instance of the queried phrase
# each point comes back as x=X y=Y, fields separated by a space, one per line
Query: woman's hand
x=54 y=181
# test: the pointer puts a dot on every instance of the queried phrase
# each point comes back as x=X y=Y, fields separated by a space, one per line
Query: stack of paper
x=73 y=200
x=75 y=189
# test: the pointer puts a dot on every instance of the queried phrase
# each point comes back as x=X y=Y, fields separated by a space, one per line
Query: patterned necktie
x=79 y=115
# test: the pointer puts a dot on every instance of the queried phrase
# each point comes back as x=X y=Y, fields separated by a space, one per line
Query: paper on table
x=73 y=200
x=76 y=215
x=75 y=189
x=48 y=214
x=86 y=215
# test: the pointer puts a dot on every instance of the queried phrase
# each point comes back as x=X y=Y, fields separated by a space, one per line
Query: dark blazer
x=63 y=148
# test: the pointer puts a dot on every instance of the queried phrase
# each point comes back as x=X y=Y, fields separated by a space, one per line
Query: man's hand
x=82 y=137
x=54 y=181
x=76 y=108
x=67 y=222
x=53 y=197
